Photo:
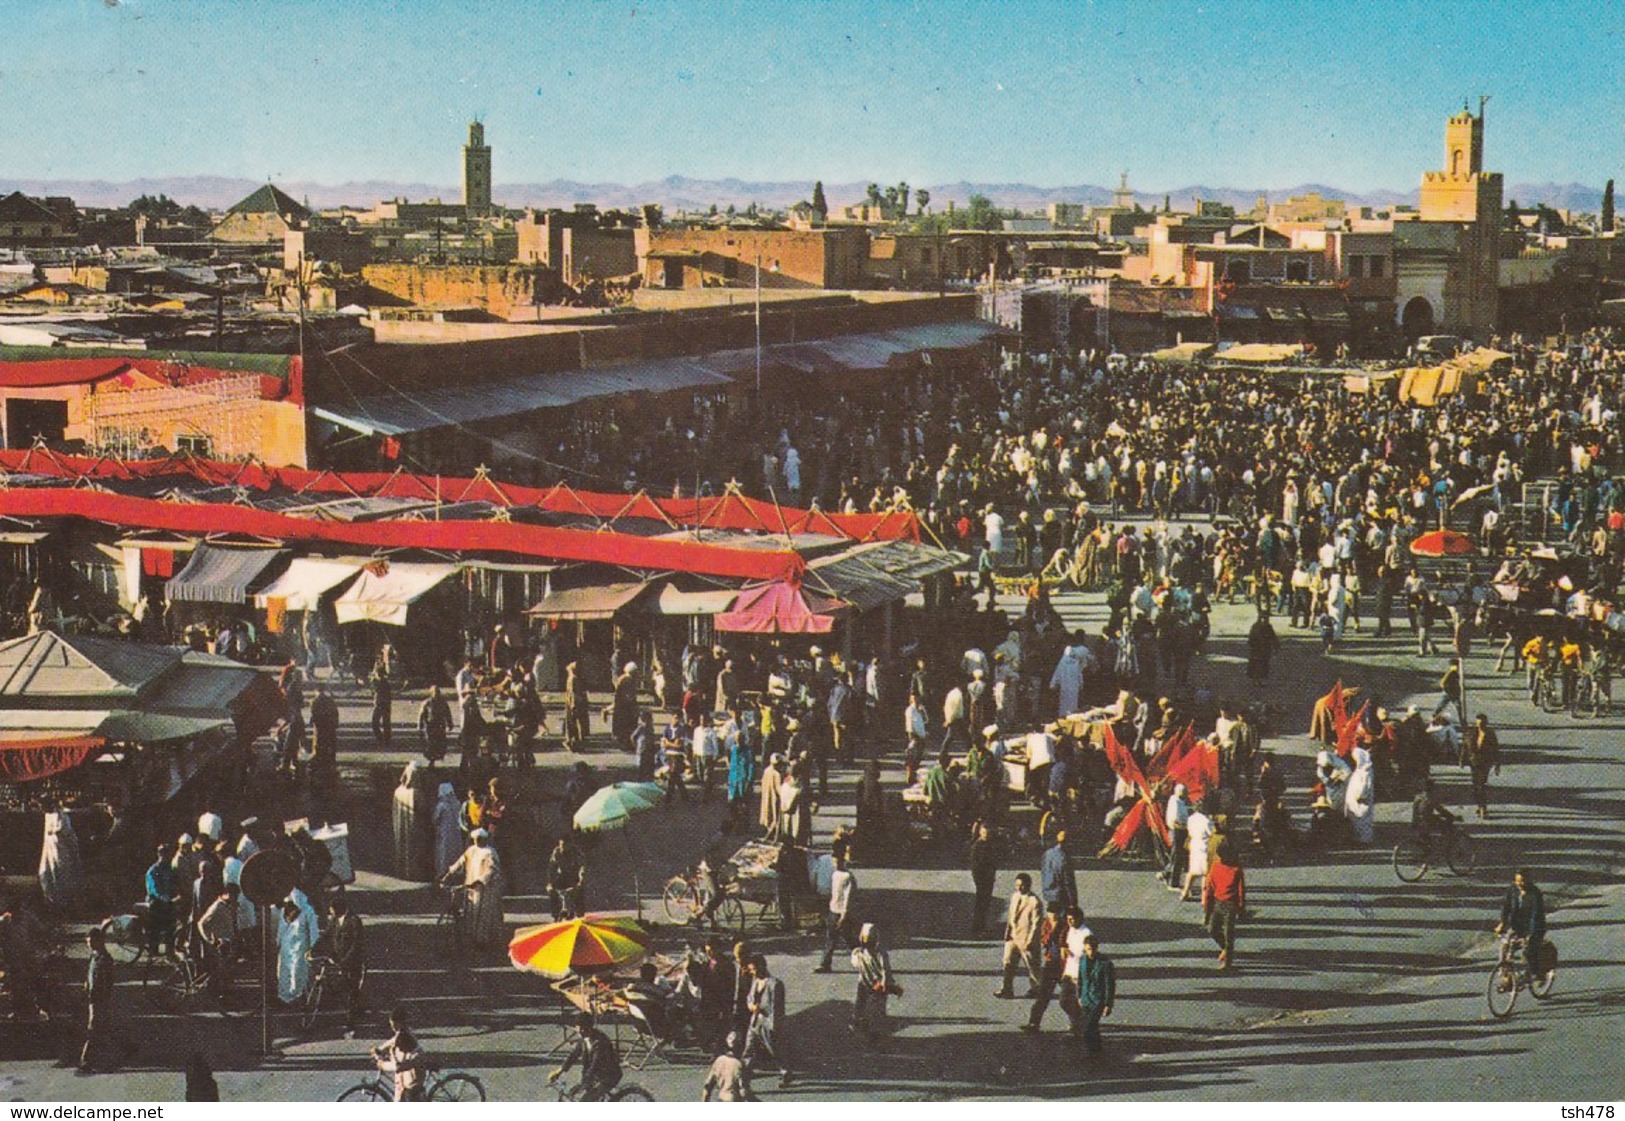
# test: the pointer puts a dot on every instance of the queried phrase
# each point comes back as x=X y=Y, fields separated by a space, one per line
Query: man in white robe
x=481 y=873
x=1360 y=799
x=1067 y=679
x=294 y=942
x=61 y=872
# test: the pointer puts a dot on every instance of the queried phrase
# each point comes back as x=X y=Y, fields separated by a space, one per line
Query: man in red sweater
x=1224 y=897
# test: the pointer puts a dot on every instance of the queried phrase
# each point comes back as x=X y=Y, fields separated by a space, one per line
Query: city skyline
x=1242 y=97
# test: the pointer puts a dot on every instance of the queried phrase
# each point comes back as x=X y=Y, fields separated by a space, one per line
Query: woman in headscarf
x=1360 y=799
x=875 y=983
x=448 y=826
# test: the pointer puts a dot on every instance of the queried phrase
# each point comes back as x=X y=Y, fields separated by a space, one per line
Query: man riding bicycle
x=600 y=1065
x=1431 y=818
x=1523 y=915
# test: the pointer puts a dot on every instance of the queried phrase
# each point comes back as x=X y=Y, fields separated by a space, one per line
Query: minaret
x=1123 y=197
x=476 y=171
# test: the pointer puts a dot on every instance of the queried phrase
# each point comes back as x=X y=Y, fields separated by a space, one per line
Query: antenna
x=1483 y=100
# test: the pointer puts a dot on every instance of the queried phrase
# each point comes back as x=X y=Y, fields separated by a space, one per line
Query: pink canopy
x=779 y=608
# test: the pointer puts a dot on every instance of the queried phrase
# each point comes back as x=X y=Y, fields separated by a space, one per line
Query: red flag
x=1198 y=769
x=1123 y=835
x=1139 y=815
x=1348 y=731
x=1340 y=711
x=1172 y=751
x=1122 y=761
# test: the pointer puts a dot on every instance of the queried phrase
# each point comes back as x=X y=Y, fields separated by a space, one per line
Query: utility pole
x=758 y=327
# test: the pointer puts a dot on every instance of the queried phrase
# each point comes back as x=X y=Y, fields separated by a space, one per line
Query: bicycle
x=453 y=1086
x=311 y=1006
x=126 y=934
x=624 y=1092
x=1512 y=973
x=1412 y=856
x=684 y=902
x=178 y=983
x=451 y=927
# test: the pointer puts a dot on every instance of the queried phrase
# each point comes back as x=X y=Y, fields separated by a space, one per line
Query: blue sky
x=1244 y=95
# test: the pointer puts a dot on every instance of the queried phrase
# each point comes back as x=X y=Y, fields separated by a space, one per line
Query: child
x=1328 y=631
x=401 y=1056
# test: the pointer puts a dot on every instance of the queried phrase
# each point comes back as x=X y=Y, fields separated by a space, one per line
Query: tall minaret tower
x=476 y=171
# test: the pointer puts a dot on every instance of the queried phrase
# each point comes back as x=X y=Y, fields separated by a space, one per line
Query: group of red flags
x=1183 y=759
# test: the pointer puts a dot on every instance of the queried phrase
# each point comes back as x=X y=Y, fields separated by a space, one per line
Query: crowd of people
x=1090 y=474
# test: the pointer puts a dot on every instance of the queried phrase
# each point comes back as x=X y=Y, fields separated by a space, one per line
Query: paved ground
x=1350 y=984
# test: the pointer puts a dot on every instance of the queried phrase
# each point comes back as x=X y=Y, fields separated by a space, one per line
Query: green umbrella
x=612 y=806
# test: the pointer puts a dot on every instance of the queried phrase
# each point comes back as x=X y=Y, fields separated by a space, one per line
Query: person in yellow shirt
x=1534 y=653
x=1570 y=656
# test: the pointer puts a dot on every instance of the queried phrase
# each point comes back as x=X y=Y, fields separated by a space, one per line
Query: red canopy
x=729 y=511
x=1442 y=543
x=28 y=760
x=518 y=538
x=779 y=608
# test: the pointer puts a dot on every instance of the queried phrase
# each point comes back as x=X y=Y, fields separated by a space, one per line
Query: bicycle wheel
x=631 y=1093
x=1541 y=987
x=731 y=915
x=1461 y=857
x=1502 y=991
x=678 y=900
x=457 y=1087
x=1410 y=861
x=312 y=1005
x=126 y=952
x=364 y=1092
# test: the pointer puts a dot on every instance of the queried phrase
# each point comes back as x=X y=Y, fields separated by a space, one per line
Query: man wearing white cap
x=481 y=873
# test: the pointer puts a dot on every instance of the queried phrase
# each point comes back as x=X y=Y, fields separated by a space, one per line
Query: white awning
x=712 y=601
x=383 y=597
x=306 y=581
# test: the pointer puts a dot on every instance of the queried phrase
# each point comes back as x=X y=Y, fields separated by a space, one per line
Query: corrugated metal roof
x=872 y=575
x=48 y=665
x=396 y=413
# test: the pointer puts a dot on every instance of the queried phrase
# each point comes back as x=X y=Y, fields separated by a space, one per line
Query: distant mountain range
x=677 y=192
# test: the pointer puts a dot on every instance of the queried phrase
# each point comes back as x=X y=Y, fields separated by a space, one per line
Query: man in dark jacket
x=1058 y=881
x=1523 y=913
x=984 y=870
x=434 y=722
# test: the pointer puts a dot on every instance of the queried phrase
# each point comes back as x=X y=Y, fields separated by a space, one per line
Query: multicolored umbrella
x=1442 y=543
x=612 y=806
x=558 y=949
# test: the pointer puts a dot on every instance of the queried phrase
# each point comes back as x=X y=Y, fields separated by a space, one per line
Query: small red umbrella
x=1442 y=543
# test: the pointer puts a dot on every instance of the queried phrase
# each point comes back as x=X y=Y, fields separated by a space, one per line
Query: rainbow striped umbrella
x=558 y=949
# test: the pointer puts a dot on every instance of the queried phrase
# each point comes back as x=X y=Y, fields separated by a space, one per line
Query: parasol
x=612 y=806
x=1442 y=543
x=559 y=949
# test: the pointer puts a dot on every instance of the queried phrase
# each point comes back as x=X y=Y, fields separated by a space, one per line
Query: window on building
x=1356 y=267
x=1237 y=272
x=1297 y=271
x=200 y=446
x=1377 y=266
